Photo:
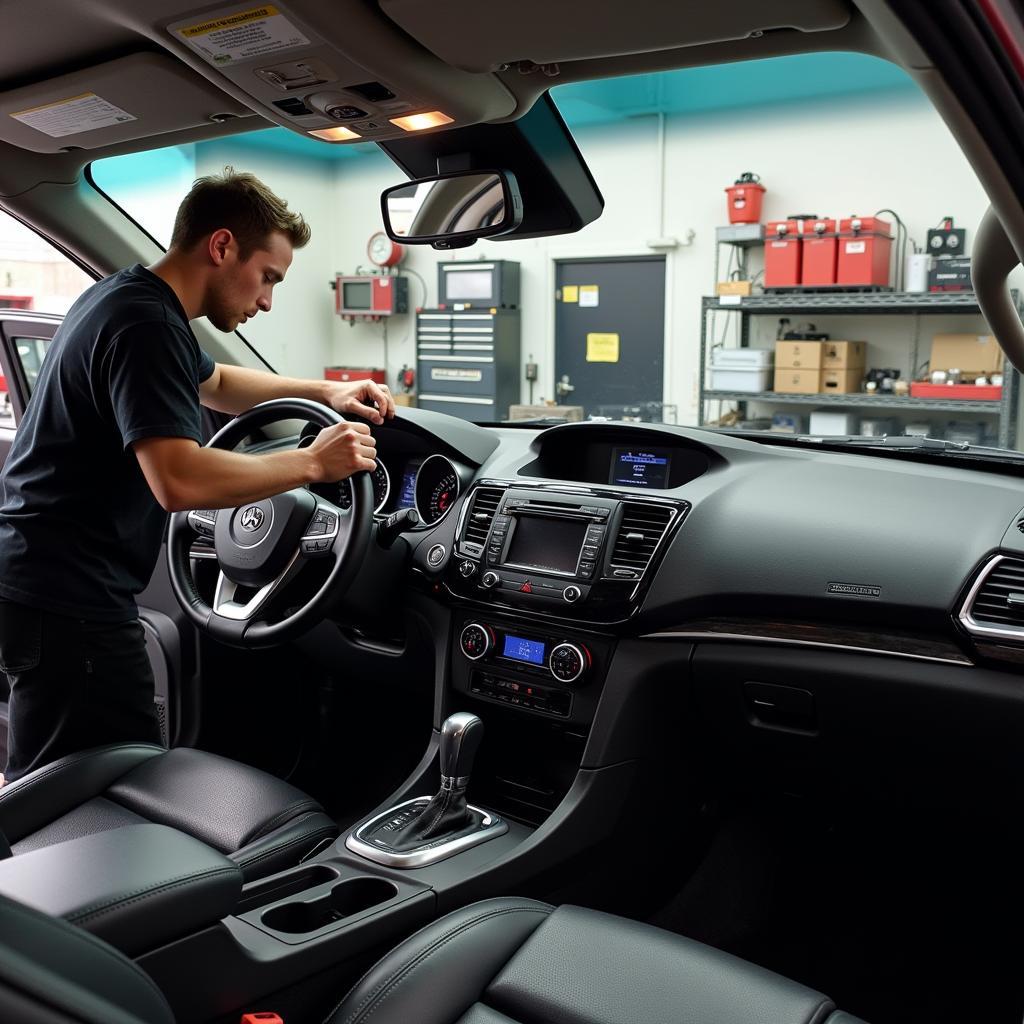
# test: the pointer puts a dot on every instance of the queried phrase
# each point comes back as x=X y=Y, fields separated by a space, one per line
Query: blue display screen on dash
x=521 y=649
x=640 y=468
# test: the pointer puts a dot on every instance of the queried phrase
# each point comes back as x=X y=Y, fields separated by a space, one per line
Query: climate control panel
x=567 y=661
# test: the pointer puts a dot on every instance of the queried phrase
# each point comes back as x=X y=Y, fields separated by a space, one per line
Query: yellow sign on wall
x=602 y=348
x=570 y=293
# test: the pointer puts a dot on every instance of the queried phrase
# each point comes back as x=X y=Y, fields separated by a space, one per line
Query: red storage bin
x=745 y=199
x=865 y=250
x=782 y=252
x=969 y=392
x=345 y=373
x=820 y=252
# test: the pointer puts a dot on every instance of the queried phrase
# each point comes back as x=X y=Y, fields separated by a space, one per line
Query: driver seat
x=263 y=824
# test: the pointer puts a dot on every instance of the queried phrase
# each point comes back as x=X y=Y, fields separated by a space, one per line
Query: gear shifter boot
x=446 y=816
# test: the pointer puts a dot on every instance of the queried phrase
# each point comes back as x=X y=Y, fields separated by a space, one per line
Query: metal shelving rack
x=915 y=304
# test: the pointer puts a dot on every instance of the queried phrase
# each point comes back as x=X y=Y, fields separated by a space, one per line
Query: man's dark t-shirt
x=80 y=530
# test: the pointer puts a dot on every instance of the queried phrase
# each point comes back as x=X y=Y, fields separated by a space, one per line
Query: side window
x=37 y=278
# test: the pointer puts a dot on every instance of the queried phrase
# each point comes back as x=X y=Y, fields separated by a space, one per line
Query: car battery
x=820 y=252
x=347 y=373
x=865 y=250
x=951 y=274
x=782 y=252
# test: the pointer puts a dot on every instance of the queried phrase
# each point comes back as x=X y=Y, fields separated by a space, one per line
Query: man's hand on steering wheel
x=343 y=449
x=363 y=398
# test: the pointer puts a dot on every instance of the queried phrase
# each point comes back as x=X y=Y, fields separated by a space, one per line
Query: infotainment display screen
x=640 y=467
x=547 y=543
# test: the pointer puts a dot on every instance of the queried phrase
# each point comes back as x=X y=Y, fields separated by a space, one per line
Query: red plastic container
x=970 y=392
x=820 y=252
x=782 y=252
x=345 y=373
x=745 y=199
x=865 y=250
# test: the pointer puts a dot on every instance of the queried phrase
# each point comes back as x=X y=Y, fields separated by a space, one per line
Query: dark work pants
x=75 y=684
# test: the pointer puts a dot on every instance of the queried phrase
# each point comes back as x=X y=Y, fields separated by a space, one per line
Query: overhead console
x=553 y=549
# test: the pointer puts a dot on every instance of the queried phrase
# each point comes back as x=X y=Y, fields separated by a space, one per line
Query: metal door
x=610 y=334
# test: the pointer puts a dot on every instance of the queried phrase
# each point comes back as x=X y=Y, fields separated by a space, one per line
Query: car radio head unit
x=550 y=545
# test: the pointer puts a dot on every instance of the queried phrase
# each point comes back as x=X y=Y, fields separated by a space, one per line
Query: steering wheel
x=262 y=545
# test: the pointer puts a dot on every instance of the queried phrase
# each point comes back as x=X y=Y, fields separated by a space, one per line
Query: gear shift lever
x=447 y=815
x=461 y=734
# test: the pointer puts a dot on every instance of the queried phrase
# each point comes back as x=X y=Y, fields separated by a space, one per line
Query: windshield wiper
x=911 y=442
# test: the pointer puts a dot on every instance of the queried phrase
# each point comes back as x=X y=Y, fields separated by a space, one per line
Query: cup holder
x=345 y=899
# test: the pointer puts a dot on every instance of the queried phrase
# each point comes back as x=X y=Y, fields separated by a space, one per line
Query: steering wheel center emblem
x=252 y=518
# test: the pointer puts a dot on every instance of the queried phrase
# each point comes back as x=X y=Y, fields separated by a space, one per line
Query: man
x=110 y=443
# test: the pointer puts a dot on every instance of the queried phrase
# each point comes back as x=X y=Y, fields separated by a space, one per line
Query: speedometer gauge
x=437 y=487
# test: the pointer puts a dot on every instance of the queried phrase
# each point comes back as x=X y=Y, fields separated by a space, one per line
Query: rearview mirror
x=452 y=210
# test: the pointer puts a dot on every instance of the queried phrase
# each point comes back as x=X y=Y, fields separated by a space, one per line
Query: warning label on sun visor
x=72 y=116
x=228 y=38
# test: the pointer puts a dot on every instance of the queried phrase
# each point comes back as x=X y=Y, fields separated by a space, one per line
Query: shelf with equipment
x=845 y=303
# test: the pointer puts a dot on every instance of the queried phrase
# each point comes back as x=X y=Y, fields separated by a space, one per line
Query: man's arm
x=182 y=475
x=233 y=389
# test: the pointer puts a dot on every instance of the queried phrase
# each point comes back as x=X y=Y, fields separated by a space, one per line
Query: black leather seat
x=260 y=822
x=496 y=962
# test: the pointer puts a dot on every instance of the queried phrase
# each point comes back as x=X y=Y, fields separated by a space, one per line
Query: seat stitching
x=56 y=767
x=101 y=947
x=247 y=861
x=396 y=977
x=306 y=805
x=126 y=899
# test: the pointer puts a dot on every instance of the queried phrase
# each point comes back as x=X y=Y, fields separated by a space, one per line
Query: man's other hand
x=364 y=398
x=343 y=449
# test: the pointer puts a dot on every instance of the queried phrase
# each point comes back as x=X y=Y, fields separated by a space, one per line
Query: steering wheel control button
x=572 y=593
x=567 y=662
x=435 y=556
x=475 y=641
x=490 y=579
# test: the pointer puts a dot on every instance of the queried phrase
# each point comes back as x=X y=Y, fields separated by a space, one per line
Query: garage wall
x=832 y=157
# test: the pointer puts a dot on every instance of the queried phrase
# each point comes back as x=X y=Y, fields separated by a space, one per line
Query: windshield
x=784 y=248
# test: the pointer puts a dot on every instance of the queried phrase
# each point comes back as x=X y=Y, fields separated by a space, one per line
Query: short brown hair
x=241 y=203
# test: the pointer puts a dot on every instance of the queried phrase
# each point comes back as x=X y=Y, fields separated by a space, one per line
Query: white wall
x=832 y=158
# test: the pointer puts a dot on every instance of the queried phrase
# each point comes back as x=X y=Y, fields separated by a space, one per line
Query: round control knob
x=572 y=593
x=568 y=662
x=475 y=641
x=435 y=556
x=490 y=579
x=466 y=568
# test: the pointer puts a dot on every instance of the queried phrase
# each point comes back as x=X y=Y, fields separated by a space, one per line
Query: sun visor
x=467 y=34
x=559 y=194
x=133 y=97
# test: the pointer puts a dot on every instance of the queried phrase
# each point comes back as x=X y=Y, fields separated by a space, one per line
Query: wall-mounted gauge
x=383 y=251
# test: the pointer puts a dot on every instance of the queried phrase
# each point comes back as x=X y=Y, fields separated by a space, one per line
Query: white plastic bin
x=740 y=378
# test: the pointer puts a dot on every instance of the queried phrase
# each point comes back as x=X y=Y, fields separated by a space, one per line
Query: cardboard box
x=790 y=380
x=404 y=399
x=799 y=355
x=841 y=382
x=844 y=355
x=974 y=355
x=732 y=288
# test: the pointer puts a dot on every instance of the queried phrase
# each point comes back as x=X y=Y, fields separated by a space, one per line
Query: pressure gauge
x=384 y=252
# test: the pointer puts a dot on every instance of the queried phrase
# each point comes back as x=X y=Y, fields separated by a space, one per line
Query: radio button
x=589 y=552
x=490 y=579
x=568 y=662
x=572 y=593
x=466 y=568
x=586 y=570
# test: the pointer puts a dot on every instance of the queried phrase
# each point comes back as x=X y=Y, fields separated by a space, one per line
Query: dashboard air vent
x=1000 y=599
x=640 y=532
x=481 y=512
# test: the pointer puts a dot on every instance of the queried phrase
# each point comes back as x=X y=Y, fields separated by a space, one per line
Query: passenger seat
x=496 y=962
